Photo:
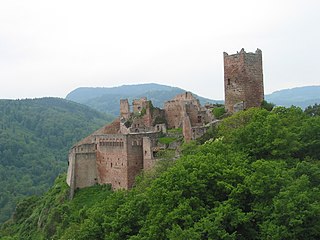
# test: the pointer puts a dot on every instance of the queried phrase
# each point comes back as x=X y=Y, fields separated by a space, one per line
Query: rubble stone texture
x=243 y=80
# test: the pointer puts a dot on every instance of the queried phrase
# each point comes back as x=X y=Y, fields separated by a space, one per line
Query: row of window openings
x=81 y=149
x=136 y=143
x=111 y=139
x=119 y=164
x=111 y=164
x=113 y=144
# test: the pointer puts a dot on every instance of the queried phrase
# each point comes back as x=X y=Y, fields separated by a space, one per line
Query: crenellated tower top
x=243 y=80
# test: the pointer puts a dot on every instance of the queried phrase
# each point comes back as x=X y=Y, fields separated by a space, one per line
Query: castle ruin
x=243 y=80
x=118 y=152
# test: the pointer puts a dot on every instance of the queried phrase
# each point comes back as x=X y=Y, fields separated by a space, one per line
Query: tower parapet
x=243 y=80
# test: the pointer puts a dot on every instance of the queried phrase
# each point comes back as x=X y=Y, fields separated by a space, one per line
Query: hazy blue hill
x=82 y=94
x=108 y=99
x=300 y=96
x=35 y=137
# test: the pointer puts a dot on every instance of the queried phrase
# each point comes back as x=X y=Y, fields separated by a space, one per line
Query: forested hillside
x=35 y=136
x=108 y=99
x=256 y=178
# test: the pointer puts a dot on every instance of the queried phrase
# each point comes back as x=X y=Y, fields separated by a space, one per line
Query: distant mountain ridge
x=108 y=99
x=299 y=96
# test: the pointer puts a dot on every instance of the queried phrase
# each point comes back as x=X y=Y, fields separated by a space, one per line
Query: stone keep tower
x=243 y=80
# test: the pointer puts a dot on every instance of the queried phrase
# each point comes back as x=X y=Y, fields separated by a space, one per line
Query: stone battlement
x=243 y=80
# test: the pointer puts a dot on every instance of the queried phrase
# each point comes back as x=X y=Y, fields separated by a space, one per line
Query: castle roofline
x=242 y=51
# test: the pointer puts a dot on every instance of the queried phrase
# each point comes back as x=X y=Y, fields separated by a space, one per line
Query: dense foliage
x=313 y=110
x=35 y=136
x=218 y=112
x=258 y=178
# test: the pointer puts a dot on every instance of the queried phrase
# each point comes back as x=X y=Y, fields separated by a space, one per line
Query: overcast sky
x=49 y=48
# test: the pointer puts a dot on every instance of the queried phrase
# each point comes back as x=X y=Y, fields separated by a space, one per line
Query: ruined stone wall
x=160 y=128
x=198 y=132
x=71 y=166
x=182 y=104
x=195 y=116
x=158 y=116
x=134 y=157
x=243 y=79
x=147 y=117
x=150 y=147
x=112 y=160
x=83 y=167
x=142 y=118
x=173 y=114
x=187 y=97
x=148 y=158
x=186 y=129
x=138 y=125
x=139 y=104
x=124 y=108
x=206 y=115
x=85 y=170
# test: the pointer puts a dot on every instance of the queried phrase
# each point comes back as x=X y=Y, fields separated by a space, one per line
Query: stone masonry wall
x=182 y=104
x=124 y=108
x=135 y=157
x=243 y=79
x=85 y=170
x=186 y=130
x=173 y=114
x=149 y=148
x=139 y=104
x=112 y=160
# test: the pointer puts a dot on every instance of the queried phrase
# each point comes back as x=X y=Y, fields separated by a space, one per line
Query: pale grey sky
x=49 y=48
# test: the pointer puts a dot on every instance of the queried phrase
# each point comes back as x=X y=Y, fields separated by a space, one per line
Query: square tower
x=243 y=80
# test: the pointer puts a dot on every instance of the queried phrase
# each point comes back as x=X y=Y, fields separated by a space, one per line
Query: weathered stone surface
x=124 y=108
x=185 y=104
x=186 y=129
x=243 y=79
